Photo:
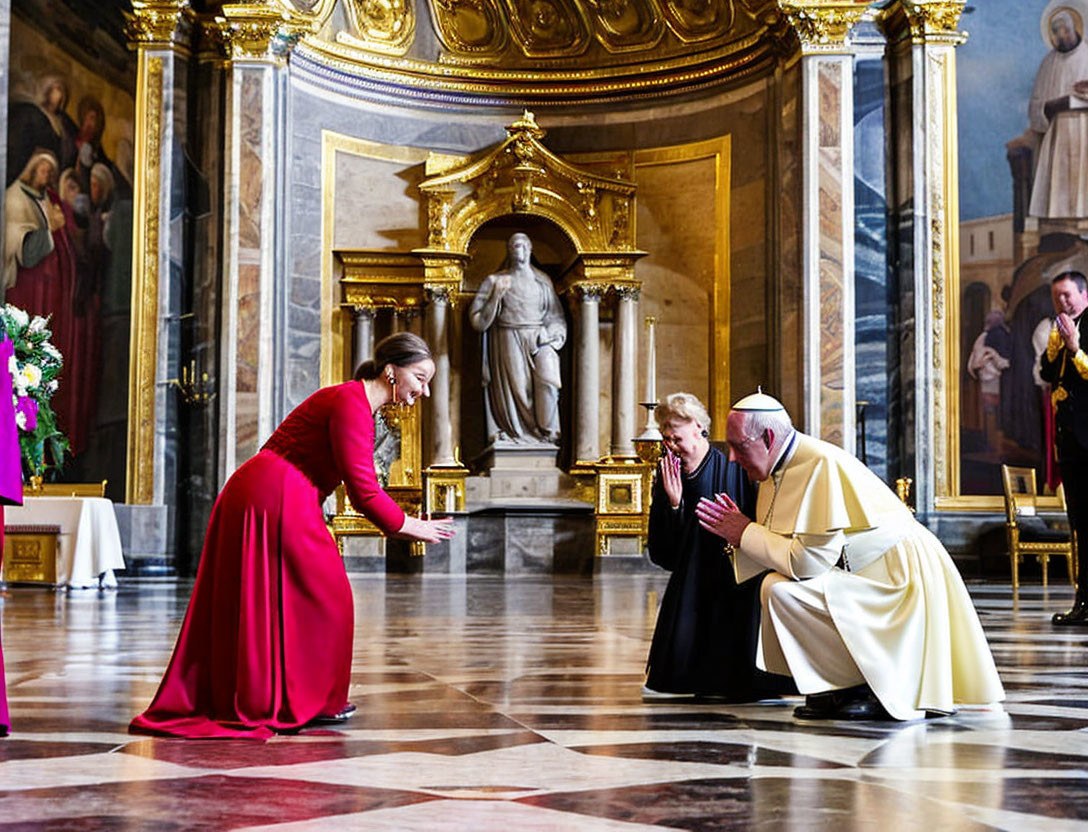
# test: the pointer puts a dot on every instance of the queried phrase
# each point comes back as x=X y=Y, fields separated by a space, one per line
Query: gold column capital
x=159 y=24
x=823 y=25
x=924 y=21
x=257 y=32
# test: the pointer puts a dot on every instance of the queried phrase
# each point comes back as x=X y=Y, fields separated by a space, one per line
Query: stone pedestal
x=537 y=538
x=519 y=470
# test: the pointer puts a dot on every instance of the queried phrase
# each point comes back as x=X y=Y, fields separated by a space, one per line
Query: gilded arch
x=521 y=176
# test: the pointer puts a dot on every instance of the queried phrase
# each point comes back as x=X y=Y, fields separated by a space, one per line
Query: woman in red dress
x=266 y=642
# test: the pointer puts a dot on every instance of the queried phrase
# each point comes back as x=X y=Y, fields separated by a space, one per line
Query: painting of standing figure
x=1023 y=220
x=68 y=229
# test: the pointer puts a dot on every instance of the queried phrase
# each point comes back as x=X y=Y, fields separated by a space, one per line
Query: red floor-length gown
x=266 y=643
x=11 y=487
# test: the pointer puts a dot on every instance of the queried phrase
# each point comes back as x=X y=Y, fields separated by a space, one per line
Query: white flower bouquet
x=34 y=369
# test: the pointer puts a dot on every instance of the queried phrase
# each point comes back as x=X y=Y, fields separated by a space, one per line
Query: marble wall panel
x=874 y=295
x=248 y=293
x=377 y=204
x=784 y=235
x=675 y=225
x=829 y=163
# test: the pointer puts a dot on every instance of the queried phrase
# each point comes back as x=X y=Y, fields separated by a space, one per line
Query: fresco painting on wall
x=68 y=234
x=1024 y=219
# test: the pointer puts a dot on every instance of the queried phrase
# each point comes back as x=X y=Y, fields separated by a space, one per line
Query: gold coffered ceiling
x=528 y=51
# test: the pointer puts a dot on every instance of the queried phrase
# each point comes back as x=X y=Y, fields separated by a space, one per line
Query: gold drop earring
x=391 y=412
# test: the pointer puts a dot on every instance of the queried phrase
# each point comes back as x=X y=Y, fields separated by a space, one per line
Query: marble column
x=924 y=186
x=161 y=33
x=827 y=154
x=624 y=372
x=252 y=401
x=587 y=376
x=437 y=315
x=363 y=346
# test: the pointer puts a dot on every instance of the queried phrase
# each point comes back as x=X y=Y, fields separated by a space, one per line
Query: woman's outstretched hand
x=429 y=531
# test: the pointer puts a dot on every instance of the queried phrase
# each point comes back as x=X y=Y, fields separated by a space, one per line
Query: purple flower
x=27 y=408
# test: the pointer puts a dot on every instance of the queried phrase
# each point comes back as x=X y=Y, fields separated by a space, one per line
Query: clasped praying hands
x=722 y=517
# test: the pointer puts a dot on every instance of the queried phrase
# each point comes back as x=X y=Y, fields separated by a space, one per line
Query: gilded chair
x=1026 y=532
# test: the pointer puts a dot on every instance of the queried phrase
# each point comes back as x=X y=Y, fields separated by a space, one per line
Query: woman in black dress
x=708 y=626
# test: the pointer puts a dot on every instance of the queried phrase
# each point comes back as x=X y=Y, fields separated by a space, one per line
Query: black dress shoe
x=867 y=708
x=827 y=704
x=1076 y=617
x=343 y=715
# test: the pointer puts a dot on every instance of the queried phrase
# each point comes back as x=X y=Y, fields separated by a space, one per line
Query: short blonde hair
x=684 y=407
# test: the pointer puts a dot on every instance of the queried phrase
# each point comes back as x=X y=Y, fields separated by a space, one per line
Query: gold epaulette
x=1080 y=361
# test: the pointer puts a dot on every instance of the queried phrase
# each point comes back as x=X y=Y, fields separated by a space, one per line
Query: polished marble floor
x=516 y=705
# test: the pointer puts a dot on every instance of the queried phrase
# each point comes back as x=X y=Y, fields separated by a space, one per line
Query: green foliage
x=35 y=370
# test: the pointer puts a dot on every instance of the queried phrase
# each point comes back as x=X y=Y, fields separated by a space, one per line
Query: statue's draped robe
x=522 y=331
x=872 y=595
x=708 y=625
x=1060 y=187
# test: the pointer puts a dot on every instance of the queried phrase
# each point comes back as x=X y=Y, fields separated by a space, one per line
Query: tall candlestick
x=649 y=401
x=651 y=359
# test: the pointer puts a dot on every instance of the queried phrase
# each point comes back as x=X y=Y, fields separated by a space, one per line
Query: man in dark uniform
x=1065 y=366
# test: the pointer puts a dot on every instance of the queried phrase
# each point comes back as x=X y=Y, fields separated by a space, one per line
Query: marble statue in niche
x=523 y=327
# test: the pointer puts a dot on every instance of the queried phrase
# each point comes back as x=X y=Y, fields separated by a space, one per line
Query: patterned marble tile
x=489 y=704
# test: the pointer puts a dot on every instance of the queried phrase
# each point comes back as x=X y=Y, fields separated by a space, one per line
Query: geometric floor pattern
x=516 y=705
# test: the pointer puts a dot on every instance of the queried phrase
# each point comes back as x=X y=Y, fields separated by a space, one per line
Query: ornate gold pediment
x=521 y=176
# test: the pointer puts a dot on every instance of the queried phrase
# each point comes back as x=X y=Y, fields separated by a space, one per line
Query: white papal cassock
x=864 y=593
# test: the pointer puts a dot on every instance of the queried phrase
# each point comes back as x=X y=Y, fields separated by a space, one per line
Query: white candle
x=651 y=360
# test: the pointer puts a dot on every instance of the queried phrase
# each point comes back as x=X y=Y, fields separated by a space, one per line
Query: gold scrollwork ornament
x=386 y=26
x=820 y=23
x=158 y=22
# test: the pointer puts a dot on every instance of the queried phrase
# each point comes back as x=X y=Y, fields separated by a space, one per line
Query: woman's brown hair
x=401 y=349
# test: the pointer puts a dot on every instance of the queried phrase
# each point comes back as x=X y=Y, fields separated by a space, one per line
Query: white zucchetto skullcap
x=759 y=402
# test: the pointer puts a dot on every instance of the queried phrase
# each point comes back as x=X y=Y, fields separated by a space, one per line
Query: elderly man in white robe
x=1058 y=113
x=864 y=608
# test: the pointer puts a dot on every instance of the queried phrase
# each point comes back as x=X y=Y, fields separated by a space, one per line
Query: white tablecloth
x=89 y=547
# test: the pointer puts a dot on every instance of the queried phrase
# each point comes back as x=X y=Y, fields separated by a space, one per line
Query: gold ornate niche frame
x=521 y=176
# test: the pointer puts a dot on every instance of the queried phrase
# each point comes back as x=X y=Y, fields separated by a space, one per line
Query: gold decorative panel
x=548 y=28
x=699 y=20
x=140 y=482
x=385 y=26
x=627 y=25
x=469 y=27
x=30 y=554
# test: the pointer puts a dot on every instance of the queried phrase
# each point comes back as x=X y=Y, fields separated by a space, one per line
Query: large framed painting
x=1023 y=164
x=68 y=217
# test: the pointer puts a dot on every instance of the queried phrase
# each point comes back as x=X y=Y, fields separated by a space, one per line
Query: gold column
x=923 y=36
x=159 y=31
x=827 y=158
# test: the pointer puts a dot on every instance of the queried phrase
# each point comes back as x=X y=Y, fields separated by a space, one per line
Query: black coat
x=708 y=626
x=1071 y=414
